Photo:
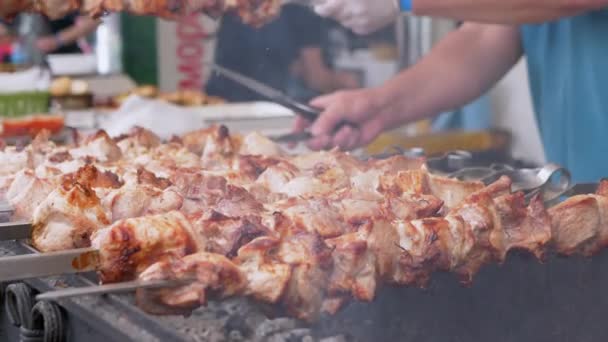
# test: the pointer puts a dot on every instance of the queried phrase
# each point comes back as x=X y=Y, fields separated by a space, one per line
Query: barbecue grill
x=521 y=300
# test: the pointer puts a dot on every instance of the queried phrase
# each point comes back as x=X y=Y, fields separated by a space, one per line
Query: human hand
x=47 y=44
x=360 y=109
x=361 y=16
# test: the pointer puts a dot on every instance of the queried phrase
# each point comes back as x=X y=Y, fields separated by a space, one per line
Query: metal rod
x=15 y=231
x=111 y=288
x=36 y=265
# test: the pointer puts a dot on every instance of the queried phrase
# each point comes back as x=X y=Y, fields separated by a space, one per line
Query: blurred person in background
x=66 y=35
x=566 y=49
x=285 y=54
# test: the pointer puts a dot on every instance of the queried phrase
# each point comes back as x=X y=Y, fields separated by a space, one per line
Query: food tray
x=23 y=103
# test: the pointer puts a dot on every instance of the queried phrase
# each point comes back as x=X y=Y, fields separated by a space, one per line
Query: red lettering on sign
x=190 y=52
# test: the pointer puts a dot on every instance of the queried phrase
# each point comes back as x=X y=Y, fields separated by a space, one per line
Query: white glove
x=361 y=16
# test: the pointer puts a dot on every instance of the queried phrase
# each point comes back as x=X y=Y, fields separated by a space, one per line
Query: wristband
x=405 y=5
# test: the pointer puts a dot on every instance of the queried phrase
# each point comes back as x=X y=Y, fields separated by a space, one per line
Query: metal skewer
x=125 y=287
x=35 y=265
x=15 y=230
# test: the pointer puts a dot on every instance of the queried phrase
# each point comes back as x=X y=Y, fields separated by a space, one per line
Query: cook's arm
x=461 y=67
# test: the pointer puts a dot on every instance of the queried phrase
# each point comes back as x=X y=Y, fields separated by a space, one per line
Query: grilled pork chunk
x=67 y=218
x=129 y=246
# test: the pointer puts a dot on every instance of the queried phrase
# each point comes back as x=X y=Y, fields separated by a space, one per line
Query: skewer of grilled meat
x=307 y=273
x=254 y=12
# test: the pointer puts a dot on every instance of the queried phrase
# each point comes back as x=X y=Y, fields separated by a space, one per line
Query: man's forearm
x=460 y=68
x=83 y=27
x=505 y=11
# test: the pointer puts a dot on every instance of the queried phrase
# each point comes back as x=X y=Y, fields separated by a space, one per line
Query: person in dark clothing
x=57 y=36
x=65 y=33
x=288 y=47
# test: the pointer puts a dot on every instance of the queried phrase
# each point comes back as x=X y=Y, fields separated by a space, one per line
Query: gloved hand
x=361 y=16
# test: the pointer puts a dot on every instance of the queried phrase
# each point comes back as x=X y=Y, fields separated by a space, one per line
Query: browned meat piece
x=580 y=223
x=396 y=164
x=267 y=276
x=26 y=191
x=354 y=267
x=313 y=215
x=255 y=144
x=211 y=274
x=452 y=191
x=225 y=235
x=252 y=166
x=98 y=147
x=196 y=141
x=129 y=246
x=91 y=177
x=145 y=177
x=139 y=140
x=219 y=149
x=136 y=200
x=67 y=218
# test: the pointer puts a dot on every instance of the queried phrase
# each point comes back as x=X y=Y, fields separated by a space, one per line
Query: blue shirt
x=568 y=70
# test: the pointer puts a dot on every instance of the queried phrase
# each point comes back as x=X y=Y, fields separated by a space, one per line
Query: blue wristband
x=405 y=5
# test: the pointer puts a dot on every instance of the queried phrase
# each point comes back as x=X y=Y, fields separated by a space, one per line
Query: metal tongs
x=307 y=112
x=551 y=181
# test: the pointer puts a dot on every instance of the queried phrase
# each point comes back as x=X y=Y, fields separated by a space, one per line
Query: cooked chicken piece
x=313 y=215
x=59 y=162
x=408 y=182
x=67 y=218
x=452 y=191
x=211 y=274
x=13 y=160
x=258 y=145
x=277 y=176
x=92 y=177
x=139 y=200
x=195 y=141
x=354 y=266
x=267 y=277
x=580 y=223
x=145 y=177
x=138 y=141
x=311 y=261
x=225 y=235
x=396 y=164
x=251 y=167
x=219 y=149
x=308 y=162
x=27 y=191
x=129 y=246
x=99 y=147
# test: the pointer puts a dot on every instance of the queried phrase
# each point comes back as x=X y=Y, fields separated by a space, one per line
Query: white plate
x=73 y=64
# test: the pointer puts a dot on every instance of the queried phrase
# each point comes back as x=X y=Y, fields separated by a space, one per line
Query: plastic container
x=23 y=103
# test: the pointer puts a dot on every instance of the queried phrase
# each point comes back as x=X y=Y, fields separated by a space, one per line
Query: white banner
x=183 y=48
